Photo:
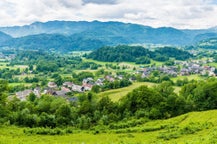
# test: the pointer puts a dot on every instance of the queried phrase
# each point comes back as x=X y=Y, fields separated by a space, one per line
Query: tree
x=63 y=114
x=3 y=97
x=32 y=97
x=205 y=95
x=58 y=80
x=95 y=89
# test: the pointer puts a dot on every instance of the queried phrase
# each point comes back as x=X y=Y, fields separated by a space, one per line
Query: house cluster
x=169 y=70
x=22 y=95
x=181 y=68
x=7 y=57
x=66 y=87
x=197 y=67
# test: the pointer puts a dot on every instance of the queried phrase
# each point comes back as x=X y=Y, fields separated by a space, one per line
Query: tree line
x=158 y=102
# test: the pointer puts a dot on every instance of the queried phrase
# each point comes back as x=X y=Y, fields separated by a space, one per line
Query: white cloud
x=156 y=13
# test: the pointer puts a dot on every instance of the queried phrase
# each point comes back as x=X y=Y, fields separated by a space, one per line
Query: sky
x=182 y=14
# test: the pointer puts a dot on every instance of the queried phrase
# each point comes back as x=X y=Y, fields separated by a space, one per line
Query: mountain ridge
x=84 y=35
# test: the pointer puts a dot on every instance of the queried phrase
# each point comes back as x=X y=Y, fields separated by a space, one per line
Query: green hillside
x=138 y=54
x=191 y=128
x=117 y=94
x=208 y=44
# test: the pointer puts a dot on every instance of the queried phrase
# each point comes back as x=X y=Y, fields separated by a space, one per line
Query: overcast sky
x=156 y=13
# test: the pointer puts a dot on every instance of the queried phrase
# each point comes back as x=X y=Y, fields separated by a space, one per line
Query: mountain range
x=66 y=36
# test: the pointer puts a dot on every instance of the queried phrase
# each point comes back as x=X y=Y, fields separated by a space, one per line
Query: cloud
x=156 y=13
x=100 y=1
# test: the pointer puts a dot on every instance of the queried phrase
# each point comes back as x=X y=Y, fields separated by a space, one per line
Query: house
x=49 y=91
x=88 y=81
x=65 y=89
x=77 y=88
x=22 y=95
x=87 y=84
x=61 y=93
x=145 y=73
x=86 y=88
x=120 y=77
x=37 y=91
x=109 y=78
x=100 y=81
x=184 y=71
x=52 y=85
x=67 y=84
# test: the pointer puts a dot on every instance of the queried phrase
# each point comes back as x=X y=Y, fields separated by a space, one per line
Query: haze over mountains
x=66 y=36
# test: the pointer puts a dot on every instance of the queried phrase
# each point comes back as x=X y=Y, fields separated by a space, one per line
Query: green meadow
x=116 y=94
x=190 y=128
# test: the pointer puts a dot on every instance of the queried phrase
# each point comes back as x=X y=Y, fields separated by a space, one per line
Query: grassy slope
x=175 y=130
x=190 y=77
x=116 y=94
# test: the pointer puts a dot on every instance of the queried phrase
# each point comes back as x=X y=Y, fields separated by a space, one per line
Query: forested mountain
x=4 y=37
x=83 y=35
x=53 y=42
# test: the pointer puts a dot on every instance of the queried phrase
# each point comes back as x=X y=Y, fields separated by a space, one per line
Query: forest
x=137 y=54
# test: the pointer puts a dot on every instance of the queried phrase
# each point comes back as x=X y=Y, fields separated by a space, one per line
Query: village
x=66 y=87
x=180 y=68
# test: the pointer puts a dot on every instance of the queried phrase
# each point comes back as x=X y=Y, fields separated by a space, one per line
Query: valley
x=109 y=89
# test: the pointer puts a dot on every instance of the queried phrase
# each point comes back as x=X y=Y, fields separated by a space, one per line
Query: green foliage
x=137 y=54
x=208 y=43
x=87 y=65
x=3 y=97
x=175 y=132
x=143 y=60
x=46 y=66
x=173 y=52
x=47 y=131
x=119 y=53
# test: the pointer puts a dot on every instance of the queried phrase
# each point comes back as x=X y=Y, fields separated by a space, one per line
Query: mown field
x=191 y=128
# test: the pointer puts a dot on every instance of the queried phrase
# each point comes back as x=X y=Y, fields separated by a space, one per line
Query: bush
x=47 y=131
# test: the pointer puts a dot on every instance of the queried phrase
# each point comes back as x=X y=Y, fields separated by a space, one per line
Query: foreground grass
x=191 y=128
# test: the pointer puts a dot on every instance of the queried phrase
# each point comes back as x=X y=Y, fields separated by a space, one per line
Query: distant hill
x=207 y=44
x=83 y=35
x=53 y=42
x=4 y=37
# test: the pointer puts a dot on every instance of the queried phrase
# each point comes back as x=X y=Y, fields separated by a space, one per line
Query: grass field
x=4 y=65
x=116 y=94
x=213 y=64
x=16 y=84
x=189 y=77
x=191 y=128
